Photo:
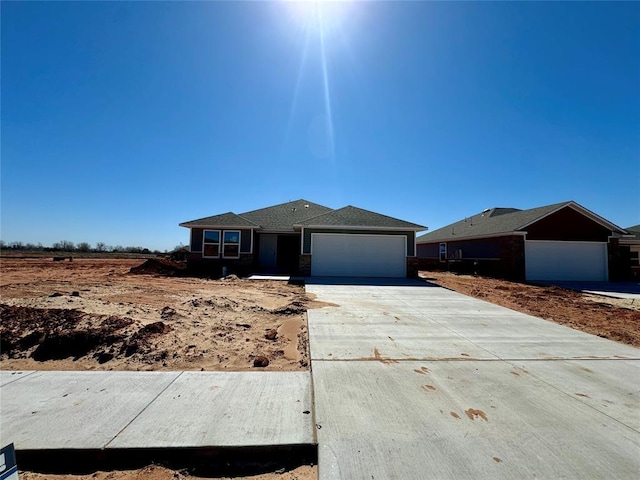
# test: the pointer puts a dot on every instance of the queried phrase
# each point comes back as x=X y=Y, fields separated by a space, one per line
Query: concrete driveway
x=416 y=381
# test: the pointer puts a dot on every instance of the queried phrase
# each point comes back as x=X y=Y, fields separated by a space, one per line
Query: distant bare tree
x=83 y=247
x=64 y=245
x=100 y=247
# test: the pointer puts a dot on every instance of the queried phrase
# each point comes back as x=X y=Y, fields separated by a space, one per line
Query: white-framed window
x=442 y=252
x=211 y=243
x=231 y=244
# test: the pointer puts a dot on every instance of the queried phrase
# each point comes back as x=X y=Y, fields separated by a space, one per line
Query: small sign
x=8 y=465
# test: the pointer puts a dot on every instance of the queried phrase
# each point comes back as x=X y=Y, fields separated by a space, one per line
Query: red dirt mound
x=159 y=266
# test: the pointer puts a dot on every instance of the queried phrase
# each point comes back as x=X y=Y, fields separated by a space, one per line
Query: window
x=211 y=243
x=443 y=252
x=635 y=257
x=231 y=244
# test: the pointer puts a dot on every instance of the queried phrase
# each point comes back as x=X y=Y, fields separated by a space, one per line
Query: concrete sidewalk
x=418 y=382
x=115 y=410
x=624 y=290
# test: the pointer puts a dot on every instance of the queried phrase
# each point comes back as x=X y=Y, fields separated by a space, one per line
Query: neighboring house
x=632 y=242
x=564 y=241
x=307 y=239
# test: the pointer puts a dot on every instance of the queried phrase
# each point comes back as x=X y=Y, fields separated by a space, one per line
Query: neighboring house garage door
x=340 y=255
x=586 y=261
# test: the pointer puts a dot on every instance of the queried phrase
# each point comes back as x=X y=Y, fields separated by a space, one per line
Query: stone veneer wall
x=304 y=265
x=213 y=266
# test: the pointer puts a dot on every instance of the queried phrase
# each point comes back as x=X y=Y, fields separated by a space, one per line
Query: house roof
x=350 y=216
x=287 y=216
x=277 y=217
x=500 y=221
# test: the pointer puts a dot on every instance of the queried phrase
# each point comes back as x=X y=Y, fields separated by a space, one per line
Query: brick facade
x=619 y=261
x=412 y=267
x=512 y=260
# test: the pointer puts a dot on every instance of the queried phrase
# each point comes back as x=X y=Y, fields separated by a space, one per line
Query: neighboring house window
x=231 y=244
x=635 y=257
x=443 y=252
x=211 y=244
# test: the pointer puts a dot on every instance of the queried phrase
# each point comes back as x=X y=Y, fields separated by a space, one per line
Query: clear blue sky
x=122 y=119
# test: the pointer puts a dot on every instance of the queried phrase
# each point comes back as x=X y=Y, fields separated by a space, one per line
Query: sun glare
x=319 y=16
x=318 y=20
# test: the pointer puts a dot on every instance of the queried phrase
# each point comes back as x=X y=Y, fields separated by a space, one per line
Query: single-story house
x=632 y=242
x=307 y=239
x=564 y=241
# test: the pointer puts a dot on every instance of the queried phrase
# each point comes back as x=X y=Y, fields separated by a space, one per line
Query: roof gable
x=285 y=215
x=351 y=216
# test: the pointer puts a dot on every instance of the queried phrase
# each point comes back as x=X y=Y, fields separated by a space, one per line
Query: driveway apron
x=413 y=381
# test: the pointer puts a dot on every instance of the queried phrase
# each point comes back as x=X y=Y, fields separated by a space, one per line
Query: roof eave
x=237 y=227
x=471 y=237
x=365 y=227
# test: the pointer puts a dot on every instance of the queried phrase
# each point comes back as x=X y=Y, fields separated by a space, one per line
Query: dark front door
x=288 y=253
x=268 y=251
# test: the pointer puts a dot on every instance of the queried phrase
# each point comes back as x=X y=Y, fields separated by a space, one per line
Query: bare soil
x=155 y=472
x=615 y=319
x=124 y=314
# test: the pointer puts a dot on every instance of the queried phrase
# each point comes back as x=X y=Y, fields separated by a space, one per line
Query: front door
x=268 y=251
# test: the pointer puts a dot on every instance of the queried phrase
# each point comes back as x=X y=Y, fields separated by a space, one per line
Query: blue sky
x=122 y=119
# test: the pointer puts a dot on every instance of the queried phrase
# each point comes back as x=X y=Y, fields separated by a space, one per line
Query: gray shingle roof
x=285 y=215
x=350 y=216
x=301 y=212
x=494 y=221
x=635 y=230
x=228 y=219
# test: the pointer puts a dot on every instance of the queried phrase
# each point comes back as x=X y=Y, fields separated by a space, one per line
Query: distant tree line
x=67 y=246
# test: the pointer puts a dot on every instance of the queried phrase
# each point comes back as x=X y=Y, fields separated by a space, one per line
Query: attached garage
x=353 y=255
x=557 y=260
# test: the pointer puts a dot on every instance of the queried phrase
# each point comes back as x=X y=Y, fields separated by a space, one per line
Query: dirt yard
x=154 y=472
x=93 y=314
x=611 y=318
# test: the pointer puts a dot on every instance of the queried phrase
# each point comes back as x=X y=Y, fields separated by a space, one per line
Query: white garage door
x=339 y=255
x=585 y=261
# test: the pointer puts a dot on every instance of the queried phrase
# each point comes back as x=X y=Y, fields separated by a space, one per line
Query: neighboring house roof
x=350 y=216
x=285 y=215
x=502 y=221
x=635 y=231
